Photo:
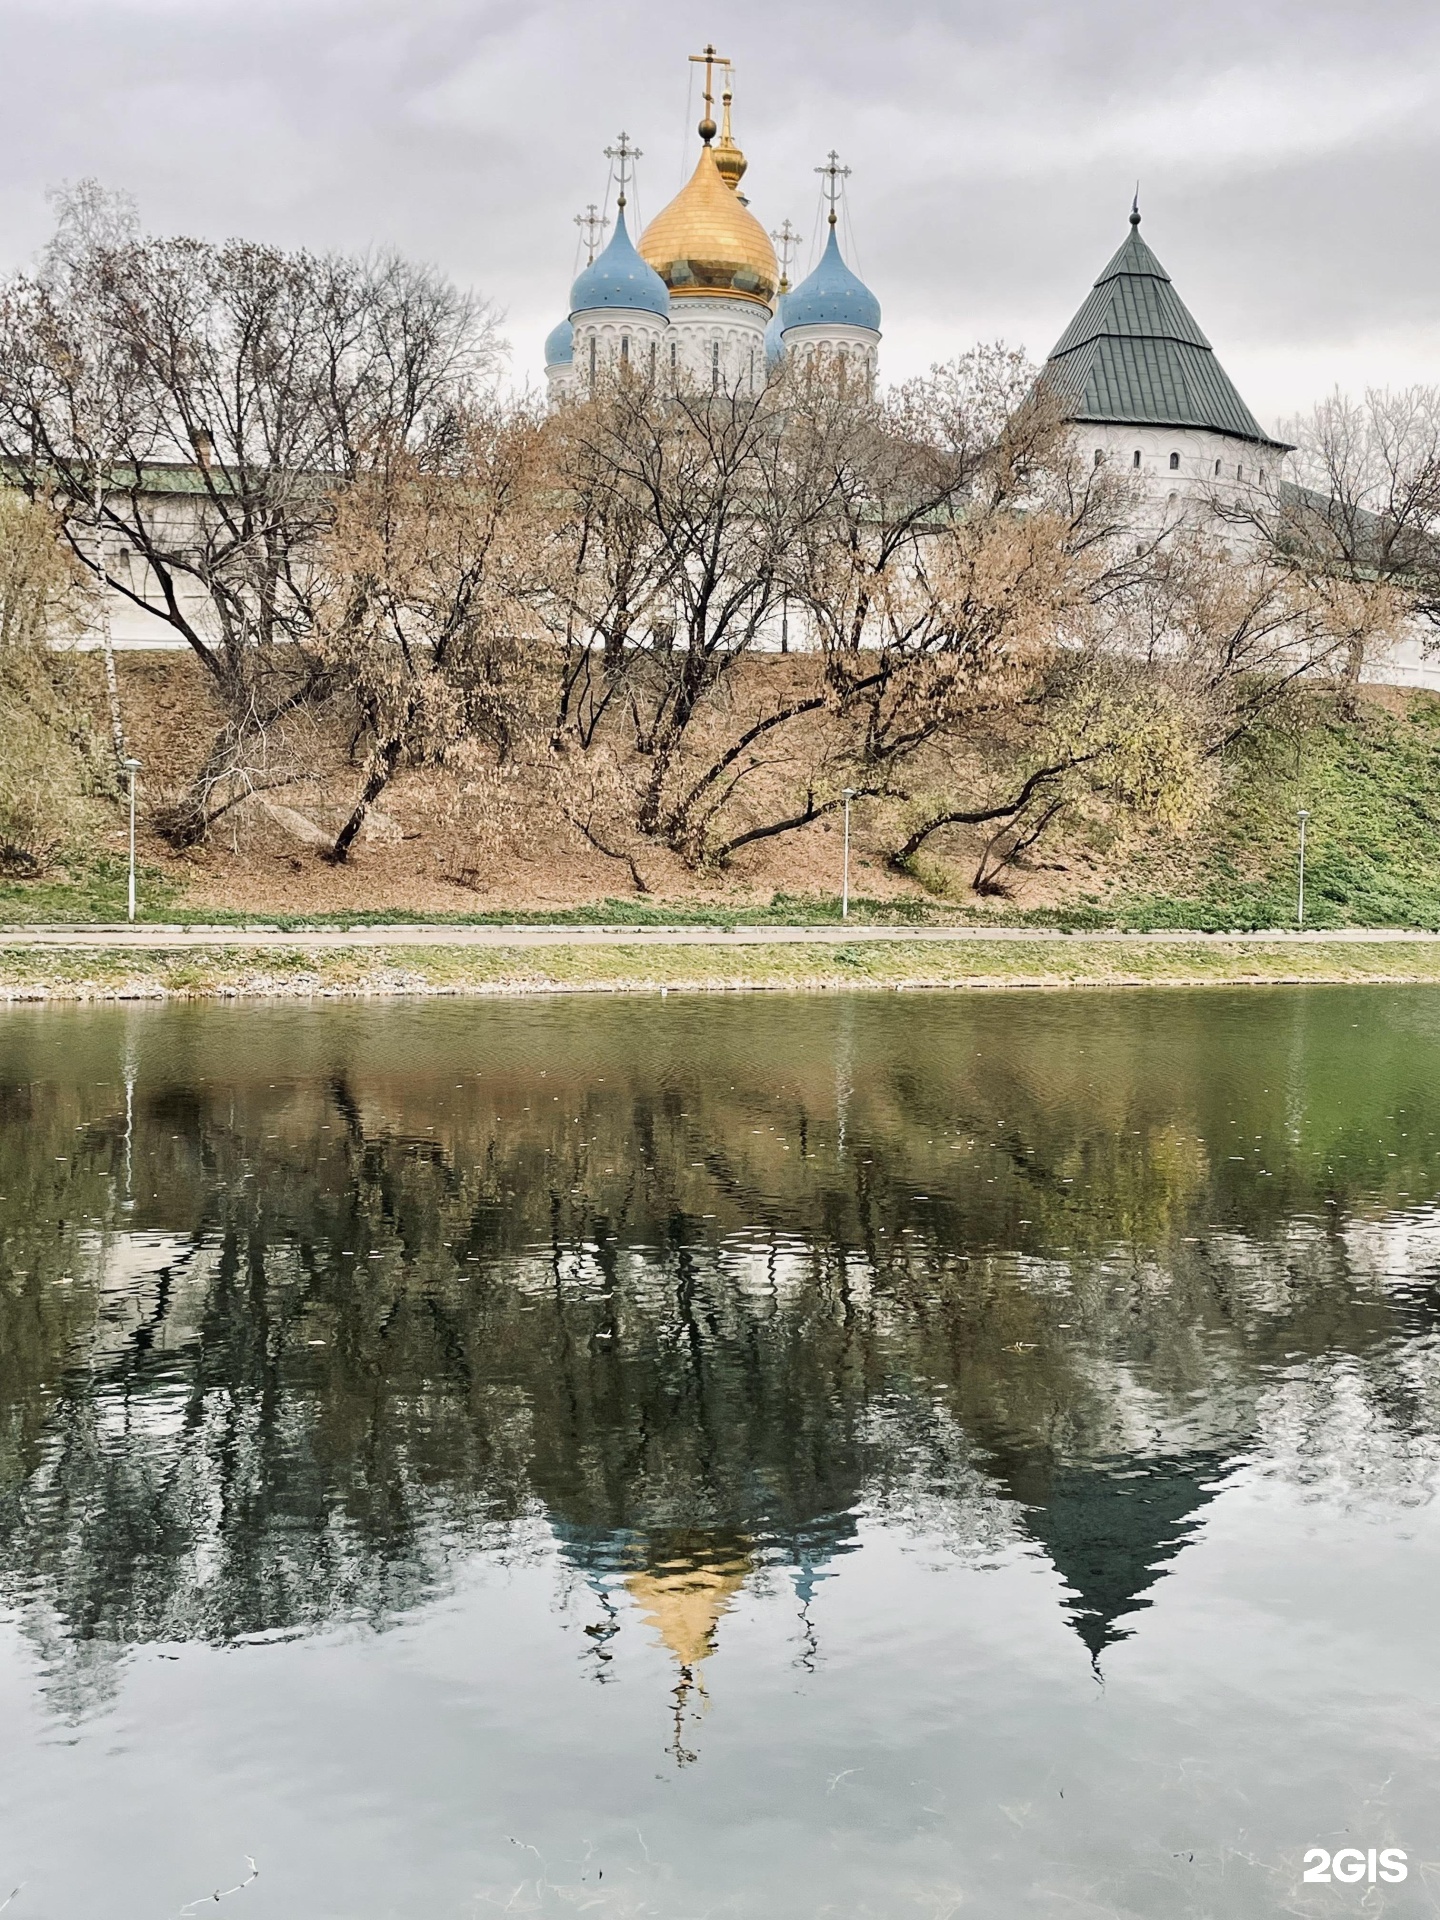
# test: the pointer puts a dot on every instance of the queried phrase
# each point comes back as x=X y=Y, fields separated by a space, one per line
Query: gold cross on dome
x=592 y=224
x=623 y=157
x=833 y=173
x=709 y=59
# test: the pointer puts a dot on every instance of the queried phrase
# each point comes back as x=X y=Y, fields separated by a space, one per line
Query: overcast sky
x=1287 y=150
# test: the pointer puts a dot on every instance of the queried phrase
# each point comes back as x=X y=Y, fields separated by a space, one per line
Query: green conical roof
x=1134 y=356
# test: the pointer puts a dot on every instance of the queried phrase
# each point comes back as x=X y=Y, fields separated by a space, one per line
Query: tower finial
x=709 y=59
x=622 y=157
x=786 y=240
x=833 y=173
x=592 y=224
x=1135 y=207
x=730 y=162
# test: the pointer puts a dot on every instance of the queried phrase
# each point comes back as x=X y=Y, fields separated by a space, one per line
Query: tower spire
x=1135 y=207
x=730 y=162
x=832 y=173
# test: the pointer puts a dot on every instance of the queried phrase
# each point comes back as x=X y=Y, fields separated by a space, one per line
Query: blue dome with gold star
x=832 y=296
x=619 y=278
x=560 y=345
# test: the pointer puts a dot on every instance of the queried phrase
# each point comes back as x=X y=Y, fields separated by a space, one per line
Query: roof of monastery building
x=1134 y=355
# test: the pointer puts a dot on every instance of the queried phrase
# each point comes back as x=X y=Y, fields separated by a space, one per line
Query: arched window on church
x=1174 y=466
x=674 y=358
x=714 y=364
x=624 y=349
x=1137 y=456
x=1099 y=456
x=752 y=369
x=592 y=363
x=1217 y=469
x=654 y=356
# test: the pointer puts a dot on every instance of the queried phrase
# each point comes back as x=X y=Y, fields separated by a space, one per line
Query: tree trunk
x=376 y=781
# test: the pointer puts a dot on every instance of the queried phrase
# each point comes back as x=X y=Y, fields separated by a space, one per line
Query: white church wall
x=613 y=339
x=1183 y=471
x=855 y=349
x=718 y=342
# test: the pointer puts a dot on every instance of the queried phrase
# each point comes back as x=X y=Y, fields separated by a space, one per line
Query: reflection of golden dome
x=684 y=1601
x=707 y=242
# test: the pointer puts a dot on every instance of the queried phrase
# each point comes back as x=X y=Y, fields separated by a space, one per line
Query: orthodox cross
x=786 y=240
x=709 y=59
x=592 y=225
x=833 y=174
x=623 y=157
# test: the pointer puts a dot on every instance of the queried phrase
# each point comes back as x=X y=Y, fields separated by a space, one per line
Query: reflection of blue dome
x=619 y=278
x=774 y=350
x=560 y=345
x=832 y=296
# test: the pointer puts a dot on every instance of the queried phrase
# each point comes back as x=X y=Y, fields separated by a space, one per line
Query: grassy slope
x=1372 y=786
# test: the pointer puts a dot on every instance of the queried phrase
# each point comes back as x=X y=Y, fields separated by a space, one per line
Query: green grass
x=94 y=892
x=214 y=973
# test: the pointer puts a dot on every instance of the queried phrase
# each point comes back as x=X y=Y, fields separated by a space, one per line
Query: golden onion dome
x=708 y=242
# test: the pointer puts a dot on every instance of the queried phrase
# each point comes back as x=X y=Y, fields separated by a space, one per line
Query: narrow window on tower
x=1174 y=463
x=624 y=349
x=1099 y=456
x=1137 y=456
x=1217 y=469
x=714 y=364
x=1239 y=473
x=674 y=358
x=752 y=369
x=592 y=363
x=654 y=356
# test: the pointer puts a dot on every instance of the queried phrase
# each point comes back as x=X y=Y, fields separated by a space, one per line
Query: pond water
x=770 y=1457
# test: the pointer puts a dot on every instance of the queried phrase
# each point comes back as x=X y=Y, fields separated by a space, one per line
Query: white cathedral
x=703 y=296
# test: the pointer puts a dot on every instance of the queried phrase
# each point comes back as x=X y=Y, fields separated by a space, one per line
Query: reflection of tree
x=385 y=1297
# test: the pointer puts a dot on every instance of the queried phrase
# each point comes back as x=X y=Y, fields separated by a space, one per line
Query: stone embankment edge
x=225 y=972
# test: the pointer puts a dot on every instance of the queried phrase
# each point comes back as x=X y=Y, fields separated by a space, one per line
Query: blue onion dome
x=774 y=346
x=560 y=345
x=832 y=296
x=619 y=278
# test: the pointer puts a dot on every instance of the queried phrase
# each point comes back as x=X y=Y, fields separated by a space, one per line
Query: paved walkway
x=161 y=939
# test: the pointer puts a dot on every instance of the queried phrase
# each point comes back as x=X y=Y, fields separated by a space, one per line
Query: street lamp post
x=1300 y=902
x=845 y=880
x=132 y=767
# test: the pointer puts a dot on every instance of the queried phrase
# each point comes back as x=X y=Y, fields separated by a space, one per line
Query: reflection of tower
x=684 y=1597
x=844 y=1074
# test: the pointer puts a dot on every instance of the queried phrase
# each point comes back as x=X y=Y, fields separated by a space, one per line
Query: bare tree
x=666 y=576
x=427 y=624
x=192 y=408
x=1360 y=518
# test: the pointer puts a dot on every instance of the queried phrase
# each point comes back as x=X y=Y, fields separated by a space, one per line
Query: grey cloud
x=1281 y=148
